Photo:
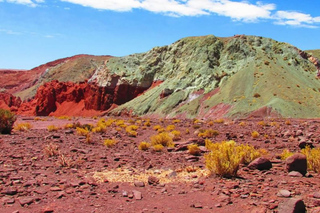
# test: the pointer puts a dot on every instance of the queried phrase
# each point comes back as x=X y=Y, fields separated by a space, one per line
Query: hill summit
x=207 y=77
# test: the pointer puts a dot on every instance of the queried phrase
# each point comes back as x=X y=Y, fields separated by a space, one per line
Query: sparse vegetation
x=194 y=149
x=51 y=150
x=285 y=154
x=144 y=146
x=109 y=142
x=7 y=119
x=255 y=134
x=52 y=128
x=225 y=158
x=162 y=138
x=313 y=158
x=22 y=126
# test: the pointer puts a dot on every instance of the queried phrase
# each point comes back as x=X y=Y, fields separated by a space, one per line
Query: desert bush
x=64 y=117
x=262 y=123
x=89 y=138
x=242 y=123
x=130 y=130
x=255 y=134
x=147 y=123
x=225 y=158
x=285 y=154
x=51 y=150
x=313 y=158
x=162 y=138
x=22 y=127
x=52 y=128
x=144 y=146
x=7 y=119
x=194 y=149
x=210 y=123
x=158 y=147
x=109 y=142
x=120 y=123
x=287 y=122
x=187 y=131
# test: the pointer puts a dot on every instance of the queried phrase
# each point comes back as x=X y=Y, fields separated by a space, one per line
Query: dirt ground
x=84 y=176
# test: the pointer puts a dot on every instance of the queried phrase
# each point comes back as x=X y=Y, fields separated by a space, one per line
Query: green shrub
x=7 y=119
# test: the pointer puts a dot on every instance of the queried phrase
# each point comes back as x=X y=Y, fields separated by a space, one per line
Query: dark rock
x=303 y=144
x=152 y=180
x=297 y=162
x=10 y=192
x=139 y=184
x=292 y=206
x=260 y=164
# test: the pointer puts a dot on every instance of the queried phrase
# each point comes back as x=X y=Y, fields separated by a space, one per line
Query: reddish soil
x=30 y=181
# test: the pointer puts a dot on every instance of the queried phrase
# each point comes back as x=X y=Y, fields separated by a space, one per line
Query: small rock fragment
x=152 y=180
x=284 y=193
x=137 y=195
x=139 y=184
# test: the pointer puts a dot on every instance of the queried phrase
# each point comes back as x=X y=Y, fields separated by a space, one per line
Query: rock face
x=8 y=101
x=292 y=206
x=297 y=162
x=53 y=94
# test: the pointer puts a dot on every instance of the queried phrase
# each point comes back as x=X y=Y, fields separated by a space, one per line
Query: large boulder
x=297 y=162
x=292 y=206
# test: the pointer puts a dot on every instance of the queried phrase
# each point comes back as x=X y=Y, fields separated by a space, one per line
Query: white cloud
x=296 y=19
x=116 y=5
x=32 y=3
x=10 y=32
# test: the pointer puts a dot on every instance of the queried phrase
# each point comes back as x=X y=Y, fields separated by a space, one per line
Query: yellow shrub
x=176 y=135
x=187 y=131
x=176 y=121
x=22 y=127
x=158 y=147
x=313 y=158
x=147 y=123
x=121 y=123
x=131 y=130
x=262 y=123
x=170 y=128
x=288 y=122
x=69 y=126
x=64 y=117
x=52 y=128
x=82 y=131
x=219 y=121
x=242 y=123
x=109 y=142
x=156 y=127
x=194 y=149
x=196 y=121
x=144 y=146
x=285 y=154
x=225 y=157
x=210 y=123
x=89 y=138
x=209 y=133
x=162 y=138
x=255 y=134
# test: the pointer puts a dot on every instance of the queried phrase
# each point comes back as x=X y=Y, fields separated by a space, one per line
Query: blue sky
x=33 y=32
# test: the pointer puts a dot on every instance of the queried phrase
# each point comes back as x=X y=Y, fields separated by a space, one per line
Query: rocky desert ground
x=51 y=167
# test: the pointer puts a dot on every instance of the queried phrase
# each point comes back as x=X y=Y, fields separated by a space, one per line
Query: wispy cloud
x=9 y=32
x=296 y=19
x=32 y=3
x=244 y=11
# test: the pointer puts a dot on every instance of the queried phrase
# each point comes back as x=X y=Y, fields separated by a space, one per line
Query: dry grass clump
x=242 y=123
x=144 y=146
x=313 y=158
x=287 y=122
x=194 y=149
x=51 y=150
x=162 y=138
x=147 y=123
x=64 y=161
x=176 y=121
x=109 y=142
x=121 y=123
x=64 y=117
x=262 y=123
x=82 y=131
x=52 y=128
x=22 y=127
x=225 y=158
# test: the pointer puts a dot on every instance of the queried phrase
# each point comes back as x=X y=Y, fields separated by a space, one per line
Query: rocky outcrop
x=8 y=101
x=53 y=94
